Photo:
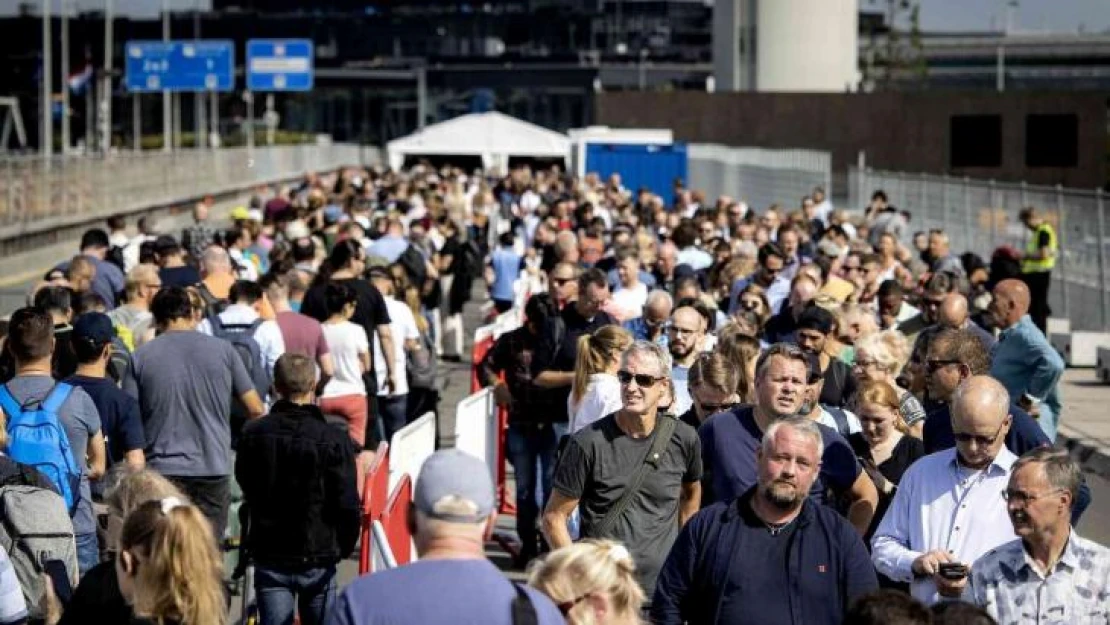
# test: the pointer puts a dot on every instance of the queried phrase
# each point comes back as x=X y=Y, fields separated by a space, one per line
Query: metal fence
x=980 y=215
x=37 y=194
x=761 y=177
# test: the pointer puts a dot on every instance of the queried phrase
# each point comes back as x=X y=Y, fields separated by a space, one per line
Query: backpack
x=34 y=528
x=241 y=337
x=421 y=364
x=472 y=262
x=841 y=419
x=212 y=304
x=414 y=265
x=38 y=439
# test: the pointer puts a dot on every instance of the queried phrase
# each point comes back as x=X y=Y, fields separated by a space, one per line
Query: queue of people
x=715 y=413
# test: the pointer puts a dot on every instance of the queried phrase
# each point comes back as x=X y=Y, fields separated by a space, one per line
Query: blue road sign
x=279 y=65
x=204 y=65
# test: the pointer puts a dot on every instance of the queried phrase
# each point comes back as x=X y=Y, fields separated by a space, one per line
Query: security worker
x=1037 y=263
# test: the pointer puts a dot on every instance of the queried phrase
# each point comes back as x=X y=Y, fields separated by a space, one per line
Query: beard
x=680 y=353
x=782 y=495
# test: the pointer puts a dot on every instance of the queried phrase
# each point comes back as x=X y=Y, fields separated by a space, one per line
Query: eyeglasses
x=864 y=364
x=643 y=380
x=680 y=331
x=1023 y=498
x=932 y=366
x=981 y=441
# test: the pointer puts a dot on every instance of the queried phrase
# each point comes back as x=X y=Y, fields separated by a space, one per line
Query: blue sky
x=947 y=15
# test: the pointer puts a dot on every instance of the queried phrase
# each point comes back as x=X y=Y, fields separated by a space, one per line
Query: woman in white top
x=345 y=392
x=596 y=392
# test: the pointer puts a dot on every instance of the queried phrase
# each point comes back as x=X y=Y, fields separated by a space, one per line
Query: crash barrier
x=387 y=492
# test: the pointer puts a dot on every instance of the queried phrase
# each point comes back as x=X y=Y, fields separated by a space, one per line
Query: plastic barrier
x=381 y=552
x=410 y=447
x=374 y=496
x=474 y=431
x=395 y=521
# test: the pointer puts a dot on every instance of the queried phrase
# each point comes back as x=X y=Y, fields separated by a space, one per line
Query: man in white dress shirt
x=948 y=510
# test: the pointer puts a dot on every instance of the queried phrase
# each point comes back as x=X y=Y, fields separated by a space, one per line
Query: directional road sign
x=279 y=65
x=203 y=65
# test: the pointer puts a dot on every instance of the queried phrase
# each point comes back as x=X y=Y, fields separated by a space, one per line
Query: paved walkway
x=1085 y=427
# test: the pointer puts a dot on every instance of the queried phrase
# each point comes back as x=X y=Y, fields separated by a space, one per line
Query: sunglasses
x=643 y=380
x=714 y=408
x=560 y=281
x=981 y=441
x=932 y=366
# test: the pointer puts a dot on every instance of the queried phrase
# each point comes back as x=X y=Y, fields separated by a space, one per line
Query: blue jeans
x=392 y=411
x=88 y=552
x=527 y=445
x=281 y=592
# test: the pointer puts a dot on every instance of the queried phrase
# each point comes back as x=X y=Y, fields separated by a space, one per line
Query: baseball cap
x=93 y=327
x=240 y=213
x=455 y=474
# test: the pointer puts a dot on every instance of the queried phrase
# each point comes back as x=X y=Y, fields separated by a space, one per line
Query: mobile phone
x=952 y=570
x=56 y=569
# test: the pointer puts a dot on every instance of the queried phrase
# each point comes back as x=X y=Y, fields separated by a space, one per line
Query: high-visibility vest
x=1030 y=265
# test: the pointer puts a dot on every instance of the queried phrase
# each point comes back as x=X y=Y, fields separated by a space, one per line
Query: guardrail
x=38 y=193
x=981 y=215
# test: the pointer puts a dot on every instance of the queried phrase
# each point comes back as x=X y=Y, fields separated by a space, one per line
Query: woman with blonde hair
x=596 y=393
x=98 y=598
x=593 y=582
x=892 y=451
x=880 y=358
x=168 y=567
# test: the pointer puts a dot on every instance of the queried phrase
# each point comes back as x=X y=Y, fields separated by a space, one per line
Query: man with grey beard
x=772 y=555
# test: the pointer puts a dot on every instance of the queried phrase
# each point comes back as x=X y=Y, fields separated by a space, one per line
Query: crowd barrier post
x=395 y=521
x=382 y=554
x=374 y=496
x=410 y=447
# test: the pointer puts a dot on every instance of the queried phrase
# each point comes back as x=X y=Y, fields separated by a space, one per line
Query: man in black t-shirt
x=558 y=349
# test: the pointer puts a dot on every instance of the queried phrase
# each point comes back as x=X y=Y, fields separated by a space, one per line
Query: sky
x=944 y=15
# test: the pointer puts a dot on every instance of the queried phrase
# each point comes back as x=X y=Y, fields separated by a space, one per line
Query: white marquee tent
x=492 y=136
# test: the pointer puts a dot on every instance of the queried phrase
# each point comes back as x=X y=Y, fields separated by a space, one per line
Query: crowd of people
x=716 y=413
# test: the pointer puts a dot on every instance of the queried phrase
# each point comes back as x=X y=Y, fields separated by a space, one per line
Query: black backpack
x=472 y=261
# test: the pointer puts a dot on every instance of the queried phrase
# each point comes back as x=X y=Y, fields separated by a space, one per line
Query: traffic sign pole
x=167 y=140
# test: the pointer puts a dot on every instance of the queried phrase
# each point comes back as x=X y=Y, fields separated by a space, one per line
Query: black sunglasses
x=715 y=408
x=932 y=366
x=643 y=380
x=981 y=441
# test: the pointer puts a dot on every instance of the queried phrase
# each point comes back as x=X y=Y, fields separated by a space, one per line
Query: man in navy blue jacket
x=954 y=356
x=772 y=555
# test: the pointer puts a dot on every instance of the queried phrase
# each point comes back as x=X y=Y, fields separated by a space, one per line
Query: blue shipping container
x=652 y=166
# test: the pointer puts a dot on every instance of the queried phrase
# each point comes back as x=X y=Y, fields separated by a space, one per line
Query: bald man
x=1023 y=360
x=947 y=510
x=953 y=315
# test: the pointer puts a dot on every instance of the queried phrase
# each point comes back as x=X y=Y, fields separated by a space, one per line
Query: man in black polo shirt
x=558 y=348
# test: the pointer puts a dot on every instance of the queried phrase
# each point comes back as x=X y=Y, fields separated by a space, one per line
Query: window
x=975 y=141
x=1051 y=140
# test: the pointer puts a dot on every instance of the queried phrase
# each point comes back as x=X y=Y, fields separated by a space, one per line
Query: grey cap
x=453 y=473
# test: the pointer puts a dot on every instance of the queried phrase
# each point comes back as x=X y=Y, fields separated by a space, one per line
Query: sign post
x=278 y=65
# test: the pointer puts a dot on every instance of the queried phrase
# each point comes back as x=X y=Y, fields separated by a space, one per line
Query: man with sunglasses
x=618 y=452
x=955 y=356
x=946 y=512
x=1050 y=573
x=652 y=325
x=563 y=283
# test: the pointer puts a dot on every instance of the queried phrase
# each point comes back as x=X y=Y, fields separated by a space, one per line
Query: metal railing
x=982 y=215
x=761 y=177
x=37 y=194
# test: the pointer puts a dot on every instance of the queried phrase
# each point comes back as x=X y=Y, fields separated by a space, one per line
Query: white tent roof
x=493 y=136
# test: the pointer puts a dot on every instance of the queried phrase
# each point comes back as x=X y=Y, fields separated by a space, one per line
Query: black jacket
x=298 y=478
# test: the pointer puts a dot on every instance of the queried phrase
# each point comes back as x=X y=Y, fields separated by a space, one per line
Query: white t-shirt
x=602 y=398
x=682 y=401
x=403 y=326
x=346 y=341
x=630 y=301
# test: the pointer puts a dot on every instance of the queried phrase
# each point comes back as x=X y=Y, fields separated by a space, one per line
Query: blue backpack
x=37 y=438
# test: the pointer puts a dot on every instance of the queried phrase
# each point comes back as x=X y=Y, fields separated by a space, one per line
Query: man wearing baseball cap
x=453 y=514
